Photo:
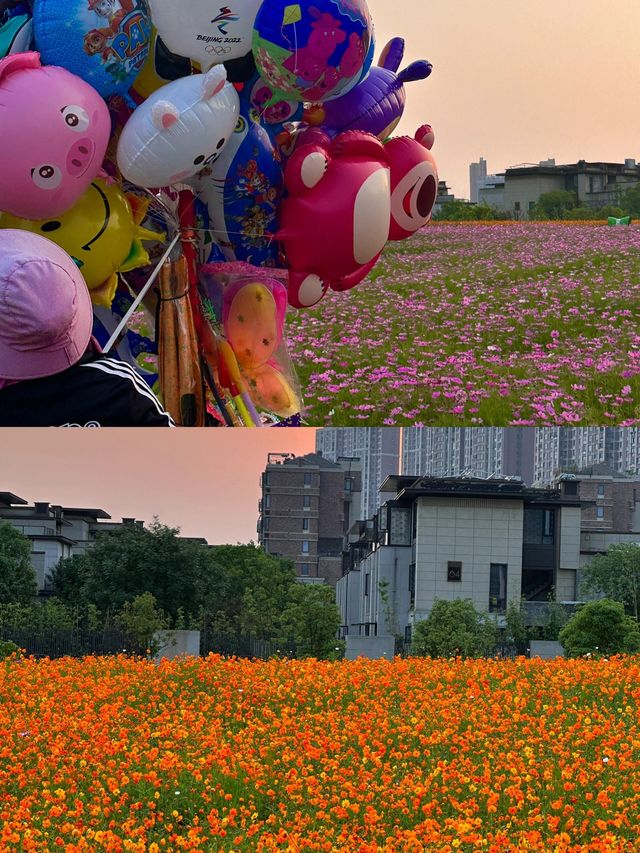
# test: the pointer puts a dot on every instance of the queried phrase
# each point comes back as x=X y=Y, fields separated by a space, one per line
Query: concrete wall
x=570 y=537
x=176 y=644
x=529 y=189
x=476 y=532
x=372 y=648
x=566 y=586
x=545 y=649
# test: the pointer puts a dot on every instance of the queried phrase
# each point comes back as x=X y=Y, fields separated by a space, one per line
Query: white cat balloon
x=179 y=129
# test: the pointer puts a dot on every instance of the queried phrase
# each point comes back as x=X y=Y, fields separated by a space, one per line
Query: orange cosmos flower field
x=116 y=754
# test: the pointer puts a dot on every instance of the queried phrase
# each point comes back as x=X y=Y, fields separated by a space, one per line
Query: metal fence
x=244 y=647
x=60 y=642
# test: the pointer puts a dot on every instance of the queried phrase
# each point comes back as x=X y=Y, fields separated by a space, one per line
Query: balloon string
x=134 y=305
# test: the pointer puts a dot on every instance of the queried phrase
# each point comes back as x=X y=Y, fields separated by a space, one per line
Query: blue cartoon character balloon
x=313 y=51
x=15 y=27
x=241 y=193
x=106 y=42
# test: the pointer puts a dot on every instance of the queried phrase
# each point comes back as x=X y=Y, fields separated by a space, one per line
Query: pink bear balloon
x=414 y=182
x=54 y=131
x=335 y=221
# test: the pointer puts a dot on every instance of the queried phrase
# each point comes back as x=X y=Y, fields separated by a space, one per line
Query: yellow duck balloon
x=102 y=233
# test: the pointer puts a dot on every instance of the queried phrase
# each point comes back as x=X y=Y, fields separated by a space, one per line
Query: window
x=267 y=478
x=366 y=583
x=498 y=588
x=305 y=523
x=267 y=501
x=601 y=490
x=454 y=571
x=600 y=513
x=265 y=524
x=305 y=546
x=306 y=501
x=348 y=484
x=539 y=526
x=308 y=479
x=304 y=570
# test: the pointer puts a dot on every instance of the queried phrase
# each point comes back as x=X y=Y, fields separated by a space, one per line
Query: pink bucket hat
x=46 y=314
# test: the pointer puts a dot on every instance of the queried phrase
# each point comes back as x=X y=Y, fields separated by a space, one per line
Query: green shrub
x=600 y=628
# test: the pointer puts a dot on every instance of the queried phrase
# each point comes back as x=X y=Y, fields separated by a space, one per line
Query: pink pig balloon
x=54 y=131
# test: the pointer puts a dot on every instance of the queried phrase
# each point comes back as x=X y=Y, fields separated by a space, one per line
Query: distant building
x=377 y=448
x=307 y=505
x=444 y=196
x=594 y=184
x=477 y=177
x=611 y=510
x=576 y=448
x=492 y=192
x=55 y=532
x=470 y=451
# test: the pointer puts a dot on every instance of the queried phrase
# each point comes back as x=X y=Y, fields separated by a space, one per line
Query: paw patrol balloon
x=106 y=42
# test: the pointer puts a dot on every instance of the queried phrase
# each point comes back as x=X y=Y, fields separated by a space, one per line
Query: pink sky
x=519 y=82
x=203 y=481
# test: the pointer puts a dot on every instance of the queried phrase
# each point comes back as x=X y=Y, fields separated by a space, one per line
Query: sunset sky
x=203 y=481
x=519 y=82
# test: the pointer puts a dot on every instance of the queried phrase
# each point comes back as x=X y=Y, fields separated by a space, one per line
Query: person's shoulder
x=144 y=405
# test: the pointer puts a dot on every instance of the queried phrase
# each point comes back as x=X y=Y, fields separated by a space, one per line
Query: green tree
x=554 y=204
x=616 y=574
x=132 y=560
x=630 y=201
x=463 y=211
x=17 y=577
x=312 y=619
x=252 y=589
x=556 y=619
x=600 y=628
x=516 y=628
x=141 y=619
x=455 y=628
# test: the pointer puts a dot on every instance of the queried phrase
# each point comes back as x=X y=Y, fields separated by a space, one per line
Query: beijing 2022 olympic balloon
x=313 y=51
x=205 y=32
x=54 y=130
x=106 y=42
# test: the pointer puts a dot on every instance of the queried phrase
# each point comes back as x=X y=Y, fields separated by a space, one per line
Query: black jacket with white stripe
x=97 y=392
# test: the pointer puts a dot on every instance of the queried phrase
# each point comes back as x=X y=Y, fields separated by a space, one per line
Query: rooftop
x=412 y=487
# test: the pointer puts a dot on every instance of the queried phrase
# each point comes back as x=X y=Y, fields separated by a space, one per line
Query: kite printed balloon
x=312 y=51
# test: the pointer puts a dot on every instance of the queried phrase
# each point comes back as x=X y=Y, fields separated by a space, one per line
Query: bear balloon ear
x=19 y=62
x=164 y=115
x=392 y=55
x=213 y=82
x=416 y=71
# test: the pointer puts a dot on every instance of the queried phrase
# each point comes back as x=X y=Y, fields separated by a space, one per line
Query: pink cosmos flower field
x=513 y=324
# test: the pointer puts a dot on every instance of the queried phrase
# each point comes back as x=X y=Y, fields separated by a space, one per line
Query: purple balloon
x=377 y=103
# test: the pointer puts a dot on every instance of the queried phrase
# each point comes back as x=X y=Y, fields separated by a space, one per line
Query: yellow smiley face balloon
x=102 y=233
